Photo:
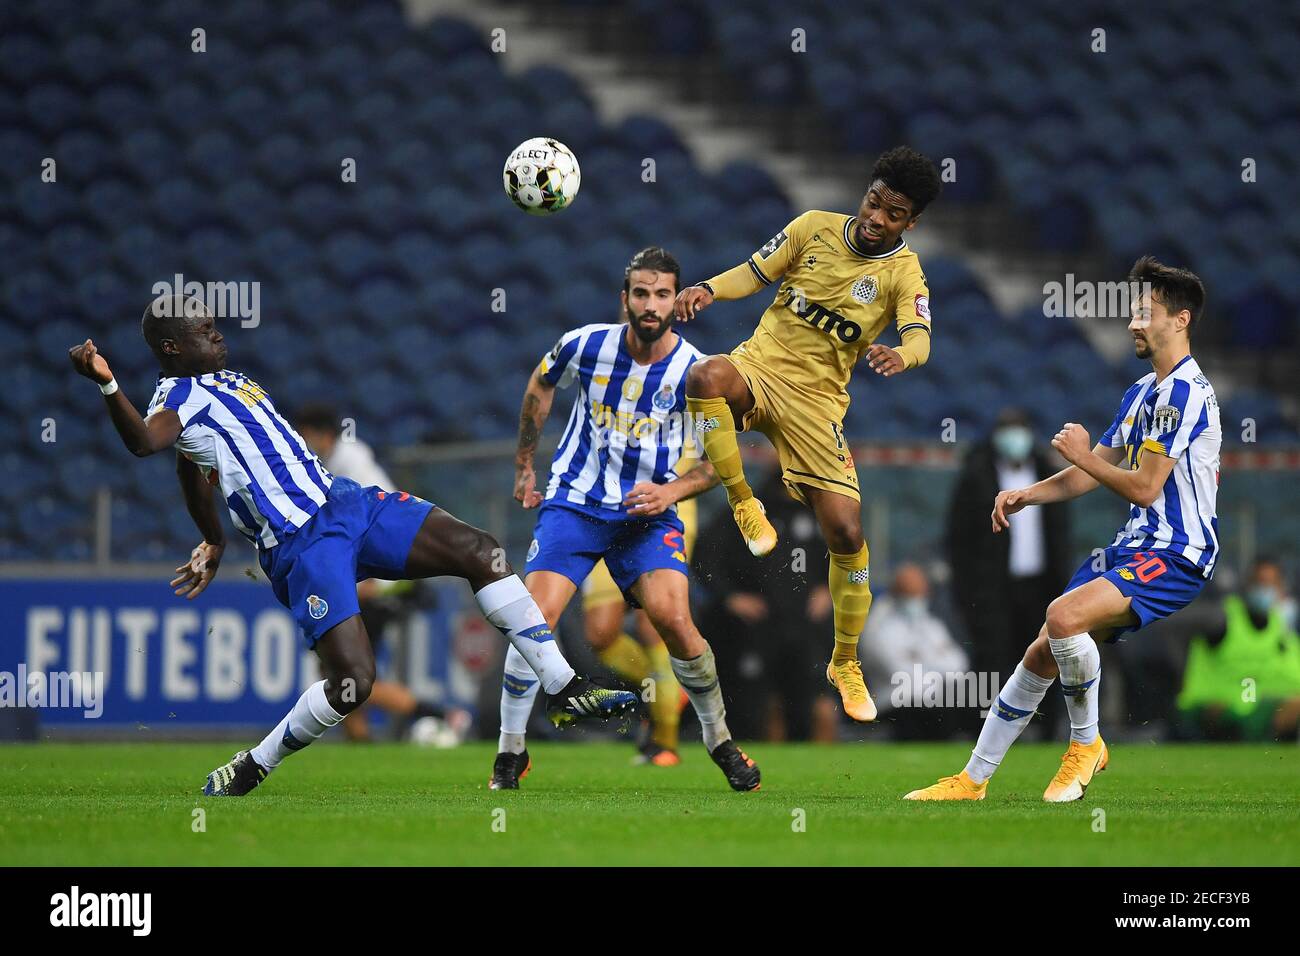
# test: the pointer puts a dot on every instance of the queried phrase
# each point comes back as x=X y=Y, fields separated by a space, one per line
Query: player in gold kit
x=842 y=280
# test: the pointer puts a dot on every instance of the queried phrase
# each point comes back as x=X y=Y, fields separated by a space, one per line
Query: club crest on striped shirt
x=865 y=289
x=1165 y=419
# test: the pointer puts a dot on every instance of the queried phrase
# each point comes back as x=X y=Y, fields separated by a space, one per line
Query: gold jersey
x=832 y=301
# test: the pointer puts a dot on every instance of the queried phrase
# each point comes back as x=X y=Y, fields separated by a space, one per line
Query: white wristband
x=110 y=388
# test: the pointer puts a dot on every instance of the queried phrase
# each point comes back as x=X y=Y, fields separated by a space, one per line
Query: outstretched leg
x=445 y=545
x=348 y=671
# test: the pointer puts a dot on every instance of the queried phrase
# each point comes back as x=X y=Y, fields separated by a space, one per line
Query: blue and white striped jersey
x=629 y=422
x=1179 y=418
x=271 y=481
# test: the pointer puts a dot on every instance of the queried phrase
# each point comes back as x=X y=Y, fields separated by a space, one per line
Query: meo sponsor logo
x=74 y=909
x=822 y=318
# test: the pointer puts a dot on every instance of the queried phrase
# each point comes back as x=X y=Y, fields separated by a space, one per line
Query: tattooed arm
x=647 y=498
x=532 y=416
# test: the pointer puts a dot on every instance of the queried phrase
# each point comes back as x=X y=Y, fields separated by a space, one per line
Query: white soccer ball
x=541 y=176
x=433 y=732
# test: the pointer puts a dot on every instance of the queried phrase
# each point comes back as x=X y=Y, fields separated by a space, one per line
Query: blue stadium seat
x=227 y=166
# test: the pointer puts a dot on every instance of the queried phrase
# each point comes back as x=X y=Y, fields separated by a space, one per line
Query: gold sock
x=716 y=429
x=851 y=594
x=626 y=659
x=664 y=710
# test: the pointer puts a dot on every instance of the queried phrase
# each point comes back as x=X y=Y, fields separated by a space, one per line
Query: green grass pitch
x=133 y=804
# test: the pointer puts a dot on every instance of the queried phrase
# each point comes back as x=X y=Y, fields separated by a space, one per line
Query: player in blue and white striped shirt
x=1161 y=454
x=317 y=535
x=612 y=496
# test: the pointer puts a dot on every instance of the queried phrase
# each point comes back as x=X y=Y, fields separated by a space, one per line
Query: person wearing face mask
x=902 y=641
x=1242 y=677
x=1001 y=583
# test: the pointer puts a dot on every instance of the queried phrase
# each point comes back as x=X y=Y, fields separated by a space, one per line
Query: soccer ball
x=432 y=732
x=541 y=176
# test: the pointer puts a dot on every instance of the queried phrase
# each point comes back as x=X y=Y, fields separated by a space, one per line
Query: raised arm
x=538 y=397
x=1069 y=482
x=141 y=436
x=757 y=272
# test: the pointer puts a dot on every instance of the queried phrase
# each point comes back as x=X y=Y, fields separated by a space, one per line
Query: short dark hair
x=165 y=316
x=320 y=416
x=1178 y=289
x=656 y=259
x=906 y=171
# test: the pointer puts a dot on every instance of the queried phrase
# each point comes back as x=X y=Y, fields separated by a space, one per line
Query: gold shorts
x=599 y=588
x=808 y=434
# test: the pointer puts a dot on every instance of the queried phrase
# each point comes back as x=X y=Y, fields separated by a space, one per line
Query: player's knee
x=704 y=379
x=1063 y=620
x=674 y=626
x=599 y=637
x=482 y=555
x=352 y=688
x=843 y=537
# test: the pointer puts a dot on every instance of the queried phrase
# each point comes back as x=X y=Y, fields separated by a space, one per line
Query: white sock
x=1009 y=715
x=512 y=610
x=519 y=687
x=310 y=717
x=699 y=678
x=1080 y=664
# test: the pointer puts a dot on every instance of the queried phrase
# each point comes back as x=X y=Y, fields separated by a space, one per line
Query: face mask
x=1261 y=599
x=913 y=608
x=1013 y=442
x=1287 y=608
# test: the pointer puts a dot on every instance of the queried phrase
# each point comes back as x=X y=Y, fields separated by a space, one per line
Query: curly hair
x=656 y=259
x=906 y=171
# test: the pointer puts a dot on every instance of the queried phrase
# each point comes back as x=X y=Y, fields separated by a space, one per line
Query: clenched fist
x=88 y=362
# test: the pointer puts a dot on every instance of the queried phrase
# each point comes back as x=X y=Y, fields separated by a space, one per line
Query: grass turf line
x=132 y=804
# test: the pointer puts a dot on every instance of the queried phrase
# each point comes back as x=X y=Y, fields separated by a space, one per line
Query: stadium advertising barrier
x=78 y=655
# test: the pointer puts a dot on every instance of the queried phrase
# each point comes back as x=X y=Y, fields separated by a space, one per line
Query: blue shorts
x=1159 y=582
x=358 y=533
x=569 y=539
